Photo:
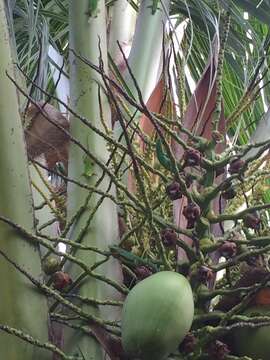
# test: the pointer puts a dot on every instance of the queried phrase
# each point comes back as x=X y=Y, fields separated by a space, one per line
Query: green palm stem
x=21 y=303
x=145 y=55
x=122 y=25
x=85 y=33
x=62 y=88
x=146 y=51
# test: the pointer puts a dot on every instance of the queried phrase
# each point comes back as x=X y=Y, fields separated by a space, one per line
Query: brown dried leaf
x=43 y=137
x=154 y=104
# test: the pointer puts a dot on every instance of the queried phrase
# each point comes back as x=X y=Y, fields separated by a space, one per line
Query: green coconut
x=157 y=315
x=254 y=342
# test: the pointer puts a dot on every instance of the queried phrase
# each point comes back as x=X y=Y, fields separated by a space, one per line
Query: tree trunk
x=22 y=306
x=85 y=33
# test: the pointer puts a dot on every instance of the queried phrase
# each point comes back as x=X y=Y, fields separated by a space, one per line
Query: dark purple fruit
x=228 y=249
x=191 y=212
x=192 y=157
x=235 y=166
x=252 y=221
x=173 y=191
x=187 y=346
x=142 y=272
x=217 y=350
x=168 y=237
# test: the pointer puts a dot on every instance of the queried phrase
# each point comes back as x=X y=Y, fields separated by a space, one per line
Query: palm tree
x=108 y=113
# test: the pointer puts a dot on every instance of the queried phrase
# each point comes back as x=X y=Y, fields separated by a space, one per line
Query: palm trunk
x=22 y=306
x=85 y=34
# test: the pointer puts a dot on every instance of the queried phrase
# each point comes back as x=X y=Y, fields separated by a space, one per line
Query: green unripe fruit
x=254 y=343
x=51 y=265
x=205 y=243
x=157 y=315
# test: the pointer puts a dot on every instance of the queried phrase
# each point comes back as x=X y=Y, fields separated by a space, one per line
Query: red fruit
x=174 y=191
x=192 y=157
x=61 y=280
x=168 y=237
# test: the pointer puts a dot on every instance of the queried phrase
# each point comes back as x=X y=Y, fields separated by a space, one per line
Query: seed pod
x=173 y=191
x=252 y=221
x=192 y=157
x=61 y=280
x=235 y=166
x=228 y=249
x=168 y=237
x=50 y=265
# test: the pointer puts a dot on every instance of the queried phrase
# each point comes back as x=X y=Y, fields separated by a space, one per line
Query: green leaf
x=260 y=10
